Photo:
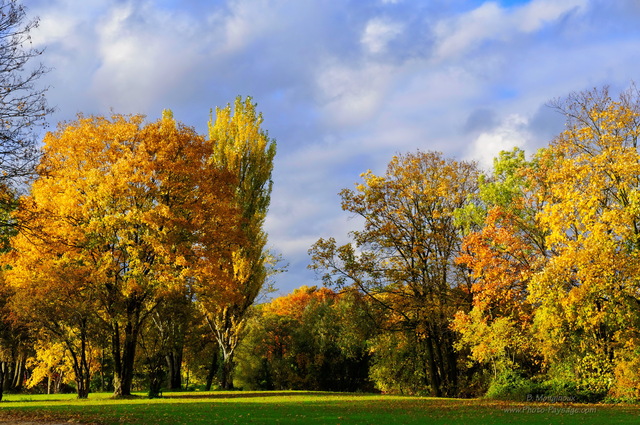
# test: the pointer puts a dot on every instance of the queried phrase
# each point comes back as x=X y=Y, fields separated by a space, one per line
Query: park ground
x=290 y=407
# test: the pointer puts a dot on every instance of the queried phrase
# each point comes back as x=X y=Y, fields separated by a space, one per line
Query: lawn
x=304 y=408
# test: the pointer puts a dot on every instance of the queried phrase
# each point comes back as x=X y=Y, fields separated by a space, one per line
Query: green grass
x=304 y=408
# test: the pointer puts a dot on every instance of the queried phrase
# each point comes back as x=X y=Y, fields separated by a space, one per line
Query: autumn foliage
x=556 y=291
x=539 y=262
x=139 y=252
x=313 y=339
x=123 y=215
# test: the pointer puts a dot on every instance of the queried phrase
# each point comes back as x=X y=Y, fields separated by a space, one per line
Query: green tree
x=311 y=339
x=556 y=259
x=163 y=342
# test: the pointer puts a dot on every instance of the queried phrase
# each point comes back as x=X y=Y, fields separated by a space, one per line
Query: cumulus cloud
x=141 y=62
x=512 y=132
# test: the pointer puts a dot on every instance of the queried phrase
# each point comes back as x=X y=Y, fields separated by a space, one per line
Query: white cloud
x=62 y=21
x=140 y=61
x=512 y=132
x=378 y=33
x=245 y=23
x=351 y=95
x=532 y=16
x=460 y=34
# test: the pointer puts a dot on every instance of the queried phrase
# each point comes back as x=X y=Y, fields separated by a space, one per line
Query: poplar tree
x=243 y=148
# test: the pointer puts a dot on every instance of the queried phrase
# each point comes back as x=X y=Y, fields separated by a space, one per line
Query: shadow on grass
x=252 y=394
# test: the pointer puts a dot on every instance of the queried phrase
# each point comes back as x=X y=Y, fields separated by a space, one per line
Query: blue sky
x=343 y=84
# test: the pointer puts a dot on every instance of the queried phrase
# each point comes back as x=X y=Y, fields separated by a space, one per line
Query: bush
x=511 y=385
x=559 y=387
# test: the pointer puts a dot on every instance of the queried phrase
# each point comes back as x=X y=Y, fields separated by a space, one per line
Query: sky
x=343 y=85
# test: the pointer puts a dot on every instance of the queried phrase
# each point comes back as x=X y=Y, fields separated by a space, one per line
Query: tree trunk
x=83 y=373
x=117 y=360
x=213 y=368
x=156 y=374
x=452 y=366
x=80 y=363
x=434 y=377
x=102 y=376
x=83 y=387
x=2 y=373
x=124 y=358
x=18 y=378
x=8 y=375
x=226 y=371
x=174 y=363
x=227 y=327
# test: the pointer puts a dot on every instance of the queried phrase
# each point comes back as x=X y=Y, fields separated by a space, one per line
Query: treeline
x=520 y=282
x=136 y=258
x=138 y=244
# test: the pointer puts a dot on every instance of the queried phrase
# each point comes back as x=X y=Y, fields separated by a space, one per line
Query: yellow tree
x=245 y=150
x=14 y=335
x=404 y=258
x=588 y=292
x=51 y=363
x=137 y=209
x=52 y=293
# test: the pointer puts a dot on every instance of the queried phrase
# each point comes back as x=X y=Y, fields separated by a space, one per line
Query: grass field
x=303 y=408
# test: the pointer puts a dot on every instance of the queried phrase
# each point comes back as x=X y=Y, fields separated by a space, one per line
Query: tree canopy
x=140 y=254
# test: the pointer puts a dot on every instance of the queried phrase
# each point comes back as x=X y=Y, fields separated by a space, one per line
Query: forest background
x=140 y=244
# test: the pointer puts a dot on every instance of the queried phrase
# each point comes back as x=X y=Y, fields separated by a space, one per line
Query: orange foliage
x=294 y=304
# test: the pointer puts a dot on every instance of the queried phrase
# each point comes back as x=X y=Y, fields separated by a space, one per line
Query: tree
x=505 y=249
x=52 y=293
x=404 y=258
x=313 y=339
x=15 y=343
x=556 y=261
x=587 y=319
x=245 y=150
x=165 y=338
x=22 y=105
x=50 y=362
x=136 y=206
